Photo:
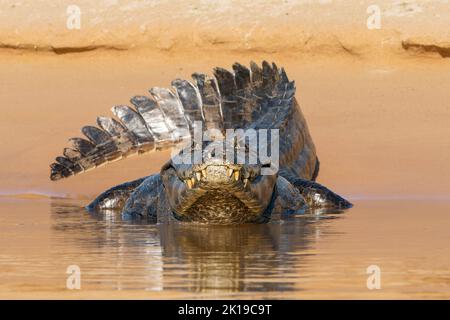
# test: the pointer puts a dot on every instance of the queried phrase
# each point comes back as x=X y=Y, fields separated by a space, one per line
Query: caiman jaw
x=216 y=174
x=218 y=193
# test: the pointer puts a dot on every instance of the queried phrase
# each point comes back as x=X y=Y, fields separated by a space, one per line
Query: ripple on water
x=306 y=256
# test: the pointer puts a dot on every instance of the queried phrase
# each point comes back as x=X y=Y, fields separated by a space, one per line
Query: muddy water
x=304 y=257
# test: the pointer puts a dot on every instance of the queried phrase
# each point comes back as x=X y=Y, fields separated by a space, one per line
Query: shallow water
x=304 y=257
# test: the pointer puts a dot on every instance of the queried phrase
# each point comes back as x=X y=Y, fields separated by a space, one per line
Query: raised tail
x=167 y=116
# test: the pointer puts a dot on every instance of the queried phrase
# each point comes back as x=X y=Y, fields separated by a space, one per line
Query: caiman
x=209 y=188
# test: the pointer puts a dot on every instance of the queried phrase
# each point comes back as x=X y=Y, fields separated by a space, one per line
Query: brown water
x=303 y=257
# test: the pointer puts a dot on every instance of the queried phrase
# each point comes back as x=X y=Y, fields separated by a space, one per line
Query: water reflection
x=119 y=254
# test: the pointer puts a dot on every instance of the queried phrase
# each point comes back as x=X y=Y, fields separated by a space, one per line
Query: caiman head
x=217 y=190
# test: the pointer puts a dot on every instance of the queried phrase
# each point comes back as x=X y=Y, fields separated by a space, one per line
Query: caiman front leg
x=115 y=197
x=288 y=198
x=147 y=200
x=318 y=196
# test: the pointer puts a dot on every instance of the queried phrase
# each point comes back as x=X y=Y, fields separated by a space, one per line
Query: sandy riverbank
x=294 y=28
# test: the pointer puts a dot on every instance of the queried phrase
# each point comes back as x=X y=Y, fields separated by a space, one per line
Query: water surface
x=303 y=257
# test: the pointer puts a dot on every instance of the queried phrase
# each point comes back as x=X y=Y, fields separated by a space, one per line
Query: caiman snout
x=218 y=173
x=217 y=191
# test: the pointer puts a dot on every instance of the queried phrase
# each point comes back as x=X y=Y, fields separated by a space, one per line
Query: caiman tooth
x=204 y=172
x=236 y=175
x=245 y=180
x=188 y=182
x=229 y=172
x=193 y=181
x=198 y=175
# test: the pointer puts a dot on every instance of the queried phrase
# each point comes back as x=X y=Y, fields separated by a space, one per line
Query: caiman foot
x=318 y=196
x=114 y=198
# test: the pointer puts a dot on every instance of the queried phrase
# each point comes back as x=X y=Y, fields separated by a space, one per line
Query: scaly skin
x=214 y=190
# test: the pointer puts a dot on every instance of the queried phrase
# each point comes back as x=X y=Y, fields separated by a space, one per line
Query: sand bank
x=297 y=28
